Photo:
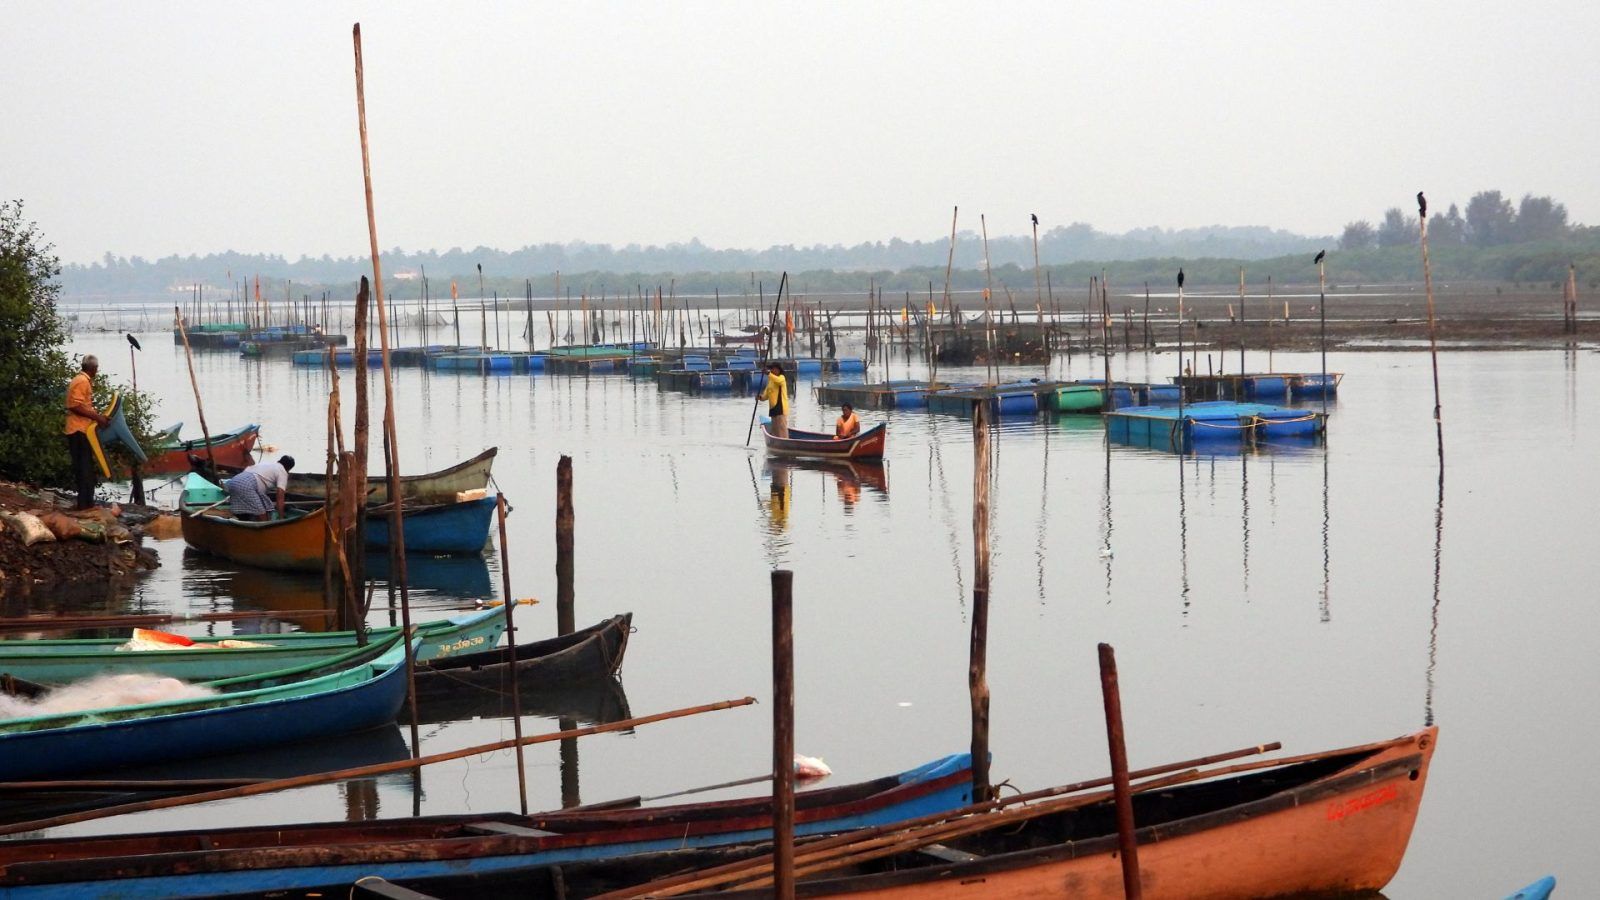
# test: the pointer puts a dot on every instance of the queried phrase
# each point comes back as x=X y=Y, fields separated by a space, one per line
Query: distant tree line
x=1489 y=221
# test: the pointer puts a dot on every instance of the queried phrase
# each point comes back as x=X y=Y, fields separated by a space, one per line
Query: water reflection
x=849 y=476
x=1433 y=616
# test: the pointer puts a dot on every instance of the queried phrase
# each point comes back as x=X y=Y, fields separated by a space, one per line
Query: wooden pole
x=988 y=307
x=565 y=616
x=1105 y=337
x=978 y=657
x=1433 y=340
x=397 y=535
x=483 y=317
x=783 y=733
x=355 y=475
x=1183 y=387
x=1148 y=341
x=511 y=645
x=283 y=784
x=1126 y=839
x=194 y=383
x=1038 y=286
x=1241 y=321
x=1322 y=317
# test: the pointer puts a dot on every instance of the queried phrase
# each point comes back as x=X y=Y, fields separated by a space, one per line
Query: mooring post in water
x=511 y=648
x=1322 y=313
x=1241 y=321
x=978 y=659
x=565 y=618
x=357 y=476
x=1433 y=341
x=783 y=733
x=397 y=534
x=199 y=408
x=1127 y=841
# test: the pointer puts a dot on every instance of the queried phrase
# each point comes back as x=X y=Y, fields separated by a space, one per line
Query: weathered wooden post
x=1127 y=841
x=565 y=618
x=511 y=649
x=1433 y=340
x=978 y=656
x=783 y=734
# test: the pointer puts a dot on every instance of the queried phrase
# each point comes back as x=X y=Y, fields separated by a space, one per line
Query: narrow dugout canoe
x=470 y=475
x=593 y=652
x=302 y=860
x=62 y=661
x=291 y=544
x=1328 y=824
x=363 y=696
x=869 y=444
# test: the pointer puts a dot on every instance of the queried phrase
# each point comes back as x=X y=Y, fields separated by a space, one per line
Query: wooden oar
x=282 y=784
x=180 y=784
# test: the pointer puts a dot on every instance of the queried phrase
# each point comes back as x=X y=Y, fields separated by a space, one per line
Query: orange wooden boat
x=230 y=449
x=1327 y=823
x=869 y=444
x=289 y=544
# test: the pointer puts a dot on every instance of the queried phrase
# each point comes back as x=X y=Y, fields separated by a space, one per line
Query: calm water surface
x=1289 y=593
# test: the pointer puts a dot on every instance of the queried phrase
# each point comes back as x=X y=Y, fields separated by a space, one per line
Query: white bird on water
x=1105 y=552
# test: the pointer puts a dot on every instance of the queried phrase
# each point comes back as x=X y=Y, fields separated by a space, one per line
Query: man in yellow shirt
x=81 y=415
x=776 y=393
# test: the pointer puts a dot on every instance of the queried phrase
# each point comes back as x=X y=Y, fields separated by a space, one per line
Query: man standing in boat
x=250 y=493
x=848 y=425
x=776 y=393
x=81 y=415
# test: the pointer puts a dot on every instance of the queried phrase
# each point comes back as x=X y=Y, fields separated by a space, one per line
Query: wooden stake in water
x=978 y=657
x=1433 y=340
x=397 y=535
x=1038 y=286
x=483 y=316
x=1322 y=314
x=566 y=617
x=1127 y=841
x=783 y=733
x=188 y=356
x=511 y=648
x=1241 y=321
x=1183 y=387
x=991 y=370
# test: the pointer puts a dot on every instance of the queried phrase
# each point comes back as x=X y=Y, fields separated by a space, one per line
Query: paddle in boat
x=869 y=444
x=323 y=859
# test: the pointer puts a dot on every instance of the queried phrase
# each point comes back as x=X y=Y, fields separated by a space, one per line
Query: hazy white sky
x=156 y=128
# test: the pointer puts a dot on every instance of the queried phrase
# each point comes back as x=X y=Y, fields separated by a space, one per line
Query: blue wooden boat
x=461 y=527
x=1539 y=890
x=328 y=857
x=363 y=696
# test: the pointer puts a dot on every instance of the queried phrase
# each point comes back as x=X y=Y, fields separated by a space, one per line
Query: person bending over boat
x=776 y=393
x=250 y=493
x=81 y=414
x=848 y=425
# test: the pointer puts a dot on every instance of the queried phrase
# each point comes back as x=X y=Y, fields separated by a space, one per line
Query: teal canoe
x=62 y=661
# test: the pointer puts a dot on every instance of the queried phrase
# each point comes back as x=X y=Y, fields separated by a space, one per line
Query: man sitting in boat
x=848 y=425
x=250 y=493
x=776 y=393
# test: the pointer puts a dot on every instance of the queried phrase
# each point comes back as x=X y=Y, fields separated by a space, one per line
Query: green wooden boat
x=1080 y=398
x=62 y=661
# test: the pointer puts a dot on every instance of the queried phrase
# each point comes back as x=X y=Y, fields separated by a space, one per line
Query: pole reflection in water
x=936 y=465
x=570 y=795
x=1105 y=527
x=1183 y=538
x=1044 y=508
x=1433 y=624
x=1324 y=604
x=360 y=800
x=1244 y=495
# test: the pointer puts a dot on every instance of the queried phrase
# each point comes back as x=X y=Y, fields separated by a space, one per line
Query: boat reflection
x=850 y=476
x=464 y=577
x=228 y=587
x=594 y=701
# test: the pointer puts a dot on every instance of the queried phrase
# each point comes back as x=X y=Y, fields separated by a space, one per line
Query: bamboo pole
x=511 y=645
x=1433 y=340
x=369 y=771
x=1241 y=322
x=1105 y=337
x=783 y=733
x=766 y=357
x=978 y=654
x=397 y=536
x=988 y=306
x=188 y=356
x=1322 y=316
x=1183 y=387
x=1126 y=840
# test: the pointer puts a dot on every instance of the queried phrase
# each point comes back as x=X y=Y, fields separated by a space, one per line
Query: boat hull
x=453 y=528
x=285 y=545
x=231 y=449
x=593 y=652
x=869 y=444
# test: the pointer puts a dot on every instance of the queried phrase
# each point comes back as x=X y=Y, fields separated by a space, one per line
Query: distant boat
x=869 y=444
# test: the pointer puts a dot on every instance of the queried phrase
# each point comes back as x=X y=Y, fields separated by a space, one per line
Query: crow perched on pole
x=1035 y=218
x=1320 y=255
x=1422 y=205
x=1180 y=277
x=134 y=342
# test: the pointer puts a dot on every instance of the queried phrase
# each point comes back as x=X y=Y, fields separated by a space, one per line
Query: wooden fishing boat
x=460 y=527
x=63 y=661
x=432 y=487
x=869 y=444
x=1324 y=824
x=301 y=860
x=285 y=708
x=231 y=448
x=591 y=652
x=291 y=544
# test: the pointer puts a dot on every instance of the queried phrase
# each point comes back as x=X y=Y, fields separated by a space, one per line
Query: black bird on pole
x=1422 y=205
x=134 y=342
x=1180 y=278
x=1320 y=255
x=1035 y=218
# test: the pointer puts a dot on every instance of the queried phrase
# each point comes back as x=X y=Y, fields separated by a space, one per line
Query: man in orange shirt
x=848 y=425
x=81 y=415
